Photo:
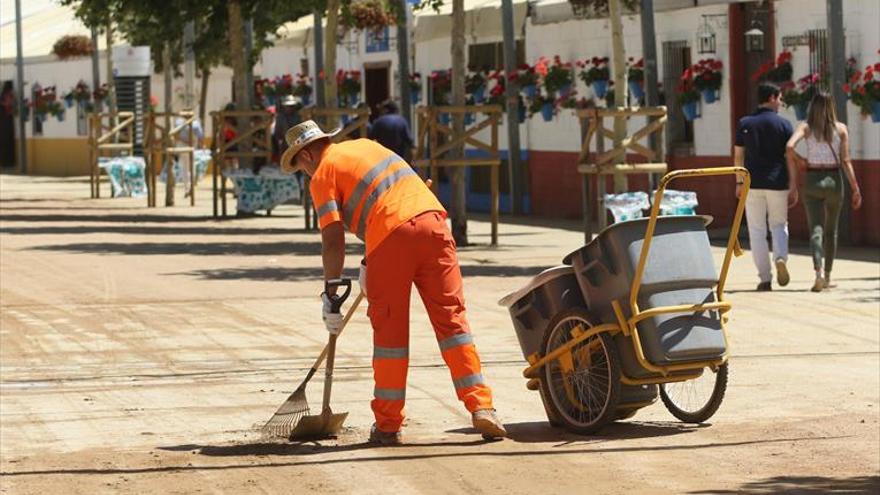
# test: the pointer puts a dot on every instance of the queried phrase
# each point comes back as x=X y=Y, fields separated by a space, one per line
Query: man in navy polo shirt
x=392 y=131
x=760 y=147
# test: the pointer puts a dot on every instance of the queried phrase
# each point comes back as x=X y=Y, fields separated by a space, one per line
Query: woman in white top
x=827 y=160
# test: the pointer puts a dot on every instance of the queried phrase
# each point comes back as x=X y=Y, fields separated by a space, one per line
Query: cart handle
x=732 y=243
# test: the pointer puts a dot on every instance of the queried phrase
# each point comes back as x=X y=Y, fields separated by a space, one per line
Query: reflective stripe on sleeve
x=327 y=208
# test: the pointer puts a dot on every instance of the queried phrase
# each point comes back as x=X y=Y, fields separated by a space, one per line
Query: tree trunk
x=168 y=160
x=619 y=59
x=203 y=98
x=330 y=100
x=111 y=93
x=458 y=213
x=239 y=72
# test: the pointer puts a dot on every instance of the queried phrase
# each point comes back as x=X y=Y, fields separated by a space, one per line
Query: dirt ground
x=140 y=349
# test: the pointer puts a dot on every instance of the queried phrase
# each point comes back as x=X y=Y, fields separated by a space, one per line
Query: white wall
x=48 y=71
x=861 y=19
x=581 y=39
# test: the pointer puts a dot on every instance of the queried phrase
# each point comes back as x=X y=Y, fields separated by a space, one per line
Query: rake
x=296 y=407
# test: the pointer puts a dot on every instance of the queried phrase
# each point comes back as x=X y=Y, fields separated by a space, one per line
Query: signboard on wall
x=131 y=61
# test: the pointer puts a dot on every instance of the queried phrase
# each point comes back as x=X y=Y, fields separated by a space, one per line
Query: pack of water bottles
x=631 y=205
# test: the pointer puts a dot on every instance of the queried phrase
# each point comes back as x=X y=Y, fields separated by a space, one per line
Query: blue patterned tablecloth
x=264 y=191
x=181 y=172
x=126 y=175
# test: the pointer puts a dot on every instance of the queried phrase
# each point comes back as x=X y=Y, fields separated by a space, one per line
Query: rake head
x=285 y=419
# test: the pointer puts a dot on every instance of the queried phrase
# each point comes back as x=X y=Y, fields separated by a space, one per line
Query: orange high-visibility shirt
x=369 y=188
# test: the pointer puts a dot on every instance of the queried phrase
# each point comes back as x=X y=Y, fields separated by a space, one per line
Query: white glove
x=362 y=277
x=332 y=320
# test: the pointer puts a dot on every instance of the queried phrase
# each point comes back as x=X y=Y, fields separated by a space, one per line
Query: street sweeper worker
x=366 y=188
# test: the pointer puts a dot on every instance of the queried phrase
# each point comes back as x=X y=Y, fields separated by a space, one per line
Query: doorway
x=7 y=125
x=376 y=85
x=679 y=132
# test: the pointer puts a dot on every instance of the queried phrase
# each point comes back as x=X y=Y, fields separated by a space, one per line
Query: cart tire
x=587 y=413
x=552 y=416
x=674 y=395
x=626 y=413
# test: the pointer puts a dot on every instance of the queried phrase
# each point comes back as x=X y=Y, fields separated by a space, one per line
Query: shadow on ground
x=806 y=485
x=199 y=249
x=408 y=452
x=276 y=274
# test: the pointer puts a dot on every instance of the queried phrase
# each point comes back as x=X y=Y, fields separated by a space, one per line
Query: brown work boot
x=487 y=423
x=385 y=438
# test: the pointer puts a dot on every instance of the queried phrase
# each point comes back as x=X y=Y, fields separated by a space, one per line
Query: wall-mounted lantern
x=705 y=38
x=755 y=38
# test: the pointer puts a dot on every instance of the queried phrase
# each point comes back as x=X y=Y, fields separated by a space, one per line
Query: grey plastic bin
x=679 y=270
x=533 y=306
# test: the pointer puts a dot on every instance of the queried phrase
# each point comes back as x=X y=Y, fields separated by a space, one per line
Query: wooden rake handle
x=348 y=315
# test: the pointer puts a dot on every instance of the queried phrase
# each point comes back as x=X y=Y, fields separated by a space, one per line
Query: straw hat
x=298 y=137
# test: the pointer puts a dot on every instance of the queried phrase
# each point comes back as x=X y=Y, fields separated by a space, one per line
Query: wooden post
x=216 y=157
x=493 y=179
x=619 y=56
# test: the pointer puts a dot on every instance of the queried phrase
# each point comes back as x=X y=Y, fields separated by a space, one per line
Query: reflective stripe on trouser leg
x=389 y=394
x=439 y=282
x=389 y=295
x=467 y=375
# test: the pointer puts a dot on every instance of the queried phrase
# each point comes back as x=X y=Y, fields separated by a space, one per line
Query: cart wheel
x=552 y=416
x=582 y=387
x=695 y=401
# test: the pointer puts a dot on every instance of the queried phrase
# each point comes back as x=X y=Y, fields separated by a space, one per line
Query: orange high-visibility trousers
x=420 y=251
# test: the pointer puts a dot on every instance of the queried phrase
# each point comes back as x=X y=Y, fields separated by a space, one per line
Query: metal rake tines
x=285 y=419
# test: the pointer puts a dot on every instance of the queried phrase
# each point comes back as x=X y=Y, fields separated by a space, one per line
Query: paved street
x=141 y=348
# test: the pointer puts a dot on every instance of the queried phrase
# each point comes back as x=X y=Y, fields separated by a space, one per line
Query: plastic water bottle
x=626 y=206
x=678 y=202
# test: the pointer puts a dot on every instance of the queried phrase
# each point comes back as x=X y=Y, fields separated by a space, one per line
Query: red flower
x=846 y=88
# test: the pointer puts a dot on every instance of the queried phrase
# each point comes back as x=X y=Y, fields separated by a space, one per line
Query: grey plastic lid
x=537 y=281
x=707 y=219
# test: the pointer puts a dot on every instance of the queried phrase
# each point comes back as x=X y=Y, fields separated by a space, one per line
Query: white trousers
x=763 y=207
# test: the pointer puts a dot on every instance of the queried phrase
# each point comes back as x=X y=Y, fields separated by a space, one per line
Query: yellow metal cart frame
x=669 y=373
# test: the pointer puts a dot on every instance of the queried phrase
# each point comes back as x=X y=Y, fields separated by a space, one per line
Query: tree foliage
x=155 y=22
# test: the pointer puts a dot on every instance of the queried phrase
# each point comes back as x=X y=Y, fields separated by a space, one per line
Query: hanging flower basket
x=72 y=46
x=600 y=87
x=415 y=87
x=691 y=111
x=557 y=76
x=636 y=89
x=707 y=77
x=864 y=90
x=475 y=85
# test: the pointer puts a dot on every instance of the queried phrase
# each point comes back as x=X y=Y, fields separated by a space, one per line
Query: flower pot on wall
x=564 y=90
x=479 y=94
x=690 y=110
x=547 y=112
x=445 y=118
x=306 y=100
x=875 y=112
x=600 y=87
x=521 y=113
x=415 y=96
x=531 y=90
x=469 y=118
x=710 y=96
x=636 y=89
x=800 y=111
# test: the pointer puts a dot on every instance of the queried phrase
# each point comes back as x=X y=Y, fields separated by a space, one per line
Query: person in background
x=760 y=147
x=286 y=116
x=827 y=160
x=7 y=126
x=392 y=131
